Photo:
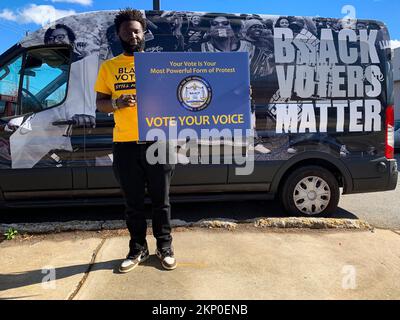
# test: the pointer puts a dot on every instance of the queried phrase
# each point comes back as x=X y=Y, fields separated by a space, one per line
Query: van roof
x=86 y=27
x=107 y=17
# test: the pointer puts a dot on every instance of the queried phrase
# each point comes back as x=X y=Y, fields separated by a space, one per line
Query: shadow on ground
x=34 y=277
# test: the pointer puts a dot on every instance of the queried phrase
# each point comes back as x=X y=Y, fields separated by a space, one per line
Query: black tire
x=287 y=192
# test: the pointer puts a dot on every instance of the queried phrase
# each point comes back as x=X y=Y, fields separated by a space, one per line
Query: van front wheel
x=310 y=191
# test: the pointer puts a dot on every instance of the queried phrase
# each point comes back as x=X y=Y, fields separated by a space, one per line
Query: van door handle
x=63 y=123
x=80 y=120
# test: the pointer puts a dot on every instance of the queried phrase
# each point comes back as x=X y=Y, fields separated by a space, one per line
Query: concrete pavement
x=247 y=263
x=26 y=267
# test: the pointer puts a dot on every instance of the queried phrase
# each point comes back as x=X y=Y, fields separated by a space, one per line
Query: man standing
x=116 y=92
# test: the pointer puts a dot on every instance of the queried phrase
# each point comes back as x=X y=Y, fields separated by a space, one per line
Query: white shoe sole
x=166 y=267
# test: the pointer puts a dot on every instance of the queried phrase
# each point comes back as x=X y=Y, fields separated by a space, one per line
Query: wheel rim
x=312 y=195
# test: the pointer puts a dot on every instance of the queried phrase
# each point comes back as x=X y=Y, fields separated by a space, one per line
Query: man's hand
x=222 y=33
x=126 y=101
x=84 y=120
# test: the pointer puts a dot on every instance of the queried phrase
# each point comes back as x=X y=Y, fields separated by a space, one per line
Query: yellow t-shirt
x=116 y=77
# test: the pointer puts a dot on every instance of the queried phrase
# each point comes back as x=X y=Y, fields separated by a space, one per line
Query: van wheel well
x=313 y=162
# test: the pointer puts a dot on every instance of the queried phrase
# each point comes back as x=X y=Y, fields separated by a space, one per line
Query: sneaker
x=166 y=255
x=132 y=261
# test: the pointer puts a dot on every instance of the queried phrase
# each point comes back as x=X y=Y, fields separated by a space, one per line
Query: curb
x=312 y=223
x=216 y=224
x=262 y=223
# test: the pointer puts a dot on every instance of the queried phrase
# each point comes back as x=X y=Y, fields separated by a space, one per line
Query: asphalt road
x=381 y=210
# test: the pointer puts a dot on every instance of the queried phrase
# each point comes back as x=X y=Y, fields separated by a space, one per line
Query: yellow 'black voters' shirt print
x=117 y=77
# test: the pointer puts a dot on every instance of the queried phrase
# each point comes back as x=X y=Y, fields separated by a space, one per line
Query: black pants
x=134 y=173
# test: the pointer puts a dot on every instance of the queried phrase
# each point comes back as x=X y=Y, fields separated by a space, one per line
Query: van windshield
x=45 y=77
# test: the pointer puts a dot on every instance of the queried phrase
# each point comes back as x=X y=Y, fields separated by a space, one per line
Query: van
x=322 y=94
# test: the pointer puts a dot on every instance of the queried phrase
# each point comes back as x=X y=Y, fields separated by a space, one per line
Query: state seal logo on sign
x=194 y=93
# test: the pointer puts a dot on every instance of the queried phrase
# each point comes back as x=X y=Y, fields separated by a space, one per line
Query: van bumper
x=373 y=176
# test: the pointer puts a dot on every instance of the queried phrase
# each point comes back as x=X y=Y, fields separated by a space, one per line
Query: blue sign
x=193 y=94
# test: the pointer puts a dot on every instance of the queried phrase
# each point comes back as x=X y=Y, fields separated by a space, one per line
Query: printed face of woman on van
x=59 y=36
x=131 y=34
x=284 y=23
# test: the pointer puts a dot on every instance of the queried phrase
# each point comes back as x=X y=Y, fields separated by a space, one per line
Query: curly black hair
x=49 y=31
x=129 y=14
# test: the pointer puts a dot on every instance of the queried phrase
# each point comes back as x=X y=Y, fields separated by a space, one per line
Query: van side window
x=9 y=84
x=45 y=78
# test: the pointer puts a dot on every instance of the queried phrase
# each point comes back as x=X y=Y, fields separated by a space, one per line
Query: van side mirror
x=30 y=73
x=31 y=63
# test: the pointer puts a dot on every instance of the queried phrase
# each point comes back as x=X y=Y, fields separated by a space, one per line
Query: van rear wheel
x=310 y=191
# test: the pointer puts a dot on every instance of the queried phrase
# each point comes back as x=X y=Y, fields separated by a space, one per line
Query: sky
x=19 y=16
